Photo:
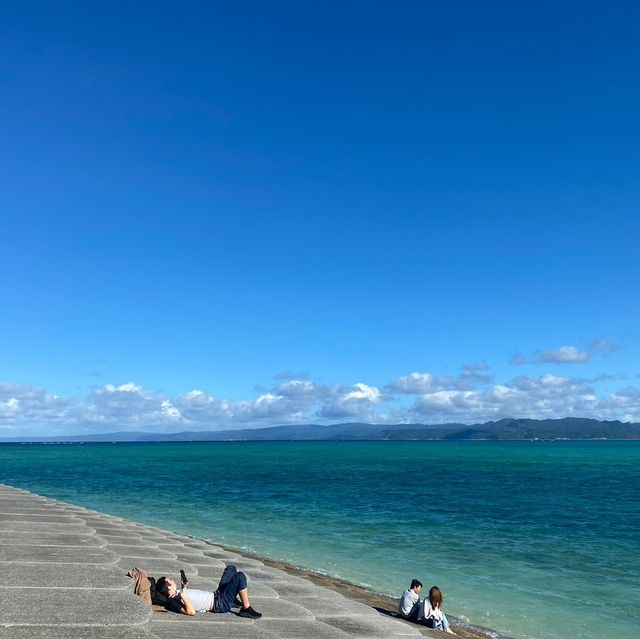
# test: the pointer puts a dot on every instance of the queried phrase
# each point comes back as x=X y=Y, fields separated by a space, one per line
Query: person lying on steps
x=189 y=601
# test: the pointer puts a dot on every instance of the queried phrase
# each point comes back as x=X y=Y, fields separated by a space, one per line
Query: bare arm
x=188 y=608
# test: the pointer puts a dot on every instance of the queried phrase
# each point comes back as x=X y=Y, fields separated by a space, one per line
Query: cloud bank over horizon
x=469 y=397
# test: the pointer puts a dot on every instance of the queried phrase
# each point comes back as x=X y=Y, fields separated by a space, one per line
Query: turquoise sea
x=533 y=539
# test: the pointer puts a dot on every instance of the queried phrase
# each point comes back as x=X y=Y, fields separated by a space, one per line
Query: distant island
x=504 y=429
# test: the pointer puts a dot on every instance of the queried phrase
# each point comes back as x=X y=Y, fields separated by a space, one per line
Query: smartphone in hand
x=183 y=578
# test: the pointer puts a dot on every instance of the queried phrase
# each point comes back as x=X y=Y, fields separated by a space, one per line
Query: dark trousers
x=231 y=583
x=415 y=611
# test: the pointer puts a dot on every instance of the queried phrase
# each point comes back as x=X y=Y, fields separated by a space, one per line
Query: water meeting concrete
x=64 y=571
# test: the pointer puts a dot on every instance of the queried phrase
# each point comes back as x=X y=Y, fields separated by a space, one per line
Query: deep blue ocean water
x=533 y=539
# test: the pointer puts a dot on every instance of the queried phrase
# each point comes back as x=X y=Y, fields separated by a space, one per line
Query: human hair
x=414 y=583
x=435 y=597
x=162 y=587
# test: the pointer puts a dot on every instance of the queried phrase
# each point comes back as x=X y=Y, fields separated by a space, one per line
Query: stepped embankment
x=64 y=576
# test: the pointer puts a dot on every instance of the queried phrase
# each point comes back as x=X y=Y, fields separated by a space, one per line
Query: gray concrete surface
x=64 y=576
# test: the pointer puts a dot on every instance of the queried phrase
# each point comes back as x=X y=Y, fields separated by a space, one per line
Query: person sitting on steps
x=410 y=601
x=431 y=614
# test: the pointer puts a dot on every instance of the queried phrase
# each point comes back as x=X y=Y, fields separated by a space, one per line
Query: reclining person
x=188 y=601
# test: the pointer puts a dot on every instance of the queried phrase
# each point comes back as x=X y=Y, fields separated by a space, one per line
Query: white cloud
x=356 y=401
x=564 y=355
x=469 y=397
x=130 y=387
x=9 y=407
x=471 y=376
x=413 y=384
x=364 y=392
x=542 y=397
x=21 y=403
x=623 y=405
x=567 y=354
x=297 y=389
x=170 y=411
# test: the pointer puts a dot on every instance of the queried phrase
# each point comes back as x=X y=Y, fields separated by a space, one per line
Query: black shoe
x=249 y=613
x=237 y=603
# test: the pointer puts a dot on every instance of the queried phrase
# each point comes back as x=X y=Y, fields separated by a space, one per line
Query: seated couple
x=429 y=612
x=188 y=601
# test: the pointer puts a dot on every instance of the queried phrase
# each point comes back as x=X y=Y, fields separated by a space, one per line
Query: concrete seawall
x=64 y=571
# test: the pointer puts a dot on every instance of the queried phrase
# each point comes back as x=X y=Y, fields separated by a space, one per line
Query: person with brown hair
x=431 y=614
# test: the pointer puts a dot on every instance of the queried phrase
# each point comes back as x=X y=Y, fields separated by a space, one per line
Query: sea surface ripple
x=537 y=540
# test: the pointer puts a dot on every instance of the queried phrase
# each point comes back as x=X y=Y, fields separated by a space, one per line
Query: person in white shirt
x=431 y=614
x=410 y=601
x=232 y=591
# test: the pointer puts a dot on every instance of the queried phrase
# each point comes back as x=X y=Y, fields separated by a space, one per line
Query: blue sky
x=235 y=214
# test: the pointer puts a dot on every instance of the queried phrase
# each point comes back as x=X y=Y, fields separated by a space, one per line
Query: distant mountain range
x=504 y=429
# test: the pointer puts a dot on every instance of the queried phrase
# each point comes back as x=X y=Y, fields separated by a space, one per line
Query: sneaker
x=237 y=603
x=249 y=612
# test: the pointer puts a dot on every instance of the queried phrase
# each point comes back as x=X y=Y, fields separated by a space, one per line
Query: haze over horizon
x=227 y=215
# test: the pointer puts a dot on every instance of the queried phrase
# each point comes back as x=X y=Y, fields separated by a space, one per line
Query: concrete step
x=64 y=607
x=64 y=577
